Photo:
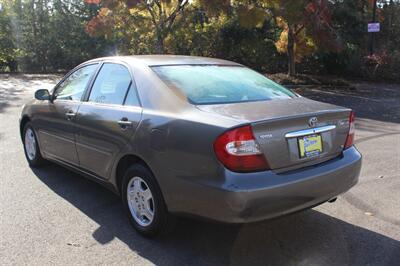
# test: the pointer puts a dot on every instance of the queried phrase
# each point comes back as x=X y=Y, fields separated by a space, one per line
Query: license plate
x=310 y=146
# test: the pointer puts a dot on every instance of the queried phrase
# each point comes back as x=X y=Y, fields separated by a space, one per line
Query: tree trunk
x=290 y=52
x=390 y=20
x=34 y=41
x=160 y=42
x=160 y=46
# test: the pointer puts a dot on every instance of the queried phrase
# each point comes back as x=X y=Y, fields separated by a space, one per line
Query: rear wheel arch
x=124 y=163
x=137 y=205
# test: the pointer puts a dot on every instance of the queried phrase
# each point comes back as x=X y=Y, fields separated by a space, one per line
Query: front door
x=56 y=122
x=108 y=119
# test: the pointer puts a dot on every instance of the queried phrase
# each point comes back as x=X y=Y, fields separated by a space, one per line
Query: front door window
x=73 y=87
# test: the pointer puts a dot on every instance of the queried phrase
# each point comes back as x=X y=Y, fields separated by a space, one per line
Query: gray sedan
x=180 y=135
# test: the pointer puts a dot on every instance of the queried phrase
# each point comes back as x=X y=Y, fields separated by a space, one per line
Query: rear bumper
x=257 y=196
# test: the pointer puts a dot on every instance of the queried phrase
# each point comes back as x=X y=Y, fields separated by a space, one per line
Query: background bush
x=51 y=35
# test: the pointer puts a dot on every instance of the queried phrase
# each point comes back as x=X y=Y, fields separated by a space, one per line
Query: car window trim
x=110 y=105
x=132 y=84
x=68 y=75
x=126 y=93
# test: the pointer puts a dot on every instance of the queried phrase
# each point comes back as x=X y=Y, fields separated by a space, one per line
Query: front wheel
x=144 y=203
x=31 y=147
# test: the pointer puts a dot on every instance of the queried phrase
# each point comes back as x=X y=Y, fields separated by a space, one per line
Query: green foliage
x=44 y=35
x=8 y=50
x=254 y=47
x=224 y=37
x=328 y=36
x=156 y=17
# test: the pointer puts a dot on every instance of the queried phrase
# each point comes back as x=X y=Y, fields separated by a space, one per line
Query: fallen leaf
x=73 y=244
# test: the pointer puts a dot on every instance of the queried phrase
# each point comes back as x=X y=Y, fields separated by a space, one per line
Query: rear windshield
x=217 y=84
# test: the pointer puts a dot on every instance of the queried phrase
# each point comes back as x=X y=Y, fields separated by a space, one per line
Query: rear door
x=107 y=119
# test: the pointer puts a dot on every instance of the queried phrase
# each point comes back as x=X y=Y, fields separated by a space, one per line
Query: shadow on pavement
x=309 y=237
x=14 y=87
x=8 y=96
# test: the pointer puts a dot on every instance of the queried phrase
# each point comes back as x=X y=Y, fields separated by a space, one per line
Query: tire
x=147 y=213
x=31 y=147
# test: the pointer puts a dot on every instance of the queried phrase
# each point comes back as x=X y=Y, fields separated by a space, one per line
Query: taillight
x=238 y=151
x=352 y=131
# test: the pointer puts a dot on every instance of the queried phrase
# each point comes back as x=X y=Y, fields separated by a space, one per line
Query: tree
x=8 y=51
x=269 y=35
x=305 y=25
x=306 y=30
x=158 y=15
x=46 y=35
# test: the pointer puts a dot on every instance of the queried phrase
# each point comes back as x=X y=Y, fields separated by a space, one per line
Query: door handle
x=70 y=115
x=124 y=123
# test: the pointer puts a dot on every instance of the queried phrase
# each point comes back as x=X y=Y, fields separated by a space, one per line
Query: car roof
x=162 y=60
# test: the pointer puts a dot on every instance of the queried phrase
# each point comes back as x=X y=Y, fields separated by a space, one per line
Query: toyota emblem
x=313 y=121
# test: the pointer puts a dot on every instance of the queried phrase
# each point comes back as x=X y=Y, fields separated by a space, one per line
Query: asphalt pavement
x=51 y=216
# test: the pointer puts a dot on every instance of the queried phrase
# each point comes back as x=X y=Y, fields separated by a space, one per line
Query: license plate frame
x=310 y=146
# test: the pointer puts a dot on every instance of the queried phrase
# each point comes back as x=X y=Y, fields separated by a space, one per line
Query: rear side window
x=111 y=84
x=73 y=87
x=215 y=84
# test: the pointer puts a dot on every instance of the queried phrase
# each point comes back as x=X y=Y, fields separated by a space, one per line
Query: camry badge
x=266 y=136
x=313 y=121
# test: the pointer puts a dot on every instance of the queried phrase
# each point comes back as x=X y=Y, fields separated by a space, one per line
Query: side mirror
x=42 y=95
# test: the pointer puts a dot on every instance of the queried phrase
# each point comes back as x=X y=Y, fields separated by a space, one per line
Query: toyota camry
x=182 y=135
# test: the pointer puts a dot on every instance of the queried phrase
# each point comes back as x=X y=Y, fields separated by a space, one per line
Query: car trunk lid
x=283 y=129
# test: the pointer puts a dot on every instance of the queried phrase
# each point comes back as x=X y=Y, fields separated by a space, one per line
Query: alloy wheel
x=140 y=201
x=30 y=144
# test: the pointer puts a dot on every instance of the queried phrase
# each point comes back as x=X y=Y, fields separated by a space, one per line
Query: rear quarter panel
x=179 y=150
